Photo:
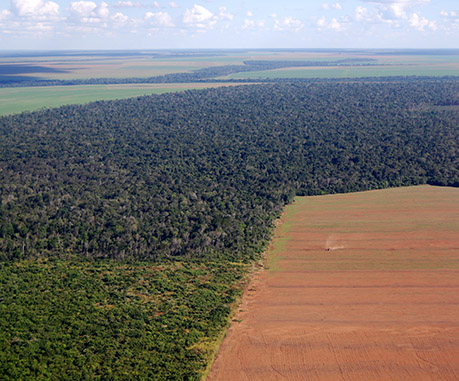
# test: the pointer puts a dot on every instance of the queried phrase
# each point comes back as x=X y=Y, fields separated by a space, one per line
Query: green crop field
x=353 y=71
x=19 y=99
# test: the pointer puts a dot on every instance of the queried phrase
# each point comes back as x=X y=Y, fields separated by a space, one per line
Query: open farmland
x=361 y=286
x=31 y=81
x=18 y=99
x=425 y=69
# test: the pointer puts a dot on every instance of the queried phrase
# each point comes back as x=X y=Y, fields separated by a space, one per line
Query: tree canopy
x=205 y=173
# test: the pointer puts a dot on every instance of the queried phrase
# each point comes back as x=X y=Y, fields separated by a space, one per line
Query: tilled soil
x=362 y=286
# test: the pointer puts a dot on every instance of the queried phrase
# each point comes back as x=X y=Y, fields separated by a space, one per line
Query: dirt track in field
x=382 y=304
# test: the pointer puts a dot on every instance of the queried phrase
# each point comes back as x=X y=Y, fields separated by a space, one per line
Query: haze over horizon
x=210 y=24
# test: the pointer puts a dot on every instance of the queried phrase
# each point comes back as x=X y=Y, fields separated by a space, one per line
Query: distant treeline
x=205 y=173
x=197 y=75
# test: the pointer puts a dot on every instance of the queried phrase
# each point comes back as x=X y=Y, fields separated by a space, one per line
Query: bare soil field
x=361 y=286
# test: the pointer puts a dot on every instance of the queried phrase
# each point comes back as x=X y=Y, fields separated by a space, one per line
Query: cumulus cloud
x=173 y=4
x=396 y=13
x=90 y=14
x=288 y=24
x=371 y=16
x=35 y=9
x=119 y=20
x=162 y=19
x=127 y=4
x=396 y=9
x=451 y=14
x=421 y=23
x=333 y=24
x=223 y=14
x=252 y=24
x=199 y=17
x=336 y=6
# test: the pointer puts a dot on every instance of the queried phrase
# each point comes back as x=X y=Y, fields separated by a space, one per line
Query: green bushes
x=99 y=320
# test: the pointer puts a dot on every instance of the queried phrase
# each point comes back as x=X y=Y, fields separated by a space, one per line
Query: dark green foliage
x=102 y=320
x=204 y=173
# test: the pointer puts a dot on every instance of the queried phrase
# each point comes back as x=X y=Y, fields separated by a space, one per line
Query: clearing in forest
x=361 y=286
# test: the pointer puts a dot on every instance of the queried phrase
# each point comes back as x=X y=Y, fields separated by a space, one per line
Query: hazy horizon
x=214 y=24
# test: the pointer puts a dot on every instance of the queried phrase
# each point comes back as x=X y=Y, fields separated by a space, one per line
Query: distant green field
x=351 y=72
x=99 y=64
x=18 y=99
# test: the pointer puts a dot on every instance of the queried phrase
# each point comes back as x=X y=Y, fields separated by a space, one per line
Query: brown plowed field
x=381 y=304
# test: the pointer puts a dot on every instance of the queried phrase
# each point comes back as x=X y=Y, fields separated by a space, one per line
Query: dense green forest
x=206 y=172
x=126 y=226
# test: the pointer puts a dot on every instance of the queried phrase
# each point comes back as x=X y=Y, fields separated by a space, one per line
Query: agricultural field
x=18 y=99
x=352 y=72
x=384 y=64
x=361 y=286
x=104 y=65
x=134 y=67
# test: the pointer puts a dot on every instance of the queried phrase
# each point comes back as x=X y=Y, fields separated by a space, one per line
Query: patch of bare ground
x=381 y=304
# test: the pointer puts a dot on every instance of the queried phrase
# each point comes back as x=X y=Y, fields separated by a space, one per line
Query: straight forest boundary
x=360 y=286
x=19 y=99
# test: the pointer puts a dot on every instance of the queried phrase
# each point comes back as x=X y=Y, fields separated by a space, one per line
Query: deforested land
x=358 y=286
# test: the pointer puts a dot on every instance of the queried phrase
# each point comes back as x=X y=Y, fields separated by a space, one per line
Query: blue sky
x=164 y=24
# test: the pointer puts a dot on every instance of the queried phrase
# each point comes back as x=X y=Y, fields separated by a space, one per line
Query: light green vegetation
x=352 y=72
x=18 y=99
x=66 y=319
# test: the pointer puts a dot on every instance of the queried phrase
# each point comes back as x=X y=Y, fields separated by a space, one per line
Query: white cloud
x=362 y=14
x=159 y=19
x=88 y=12
x=173 y=4
x=83 y=9
x=333 y=24
x=119 y=20
x=396 y=9
x=199 y=17
x=103 y=10
x=155 y=4
x=249 y=14
x=396 y=13
x=336 y=6
x=224 y=15
x=248 y=24
x=288 y=24
x=420 y=23
x=127 y=4
x=35 y=9
x=451 y=14
x=4 y=14
x=371 y=16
